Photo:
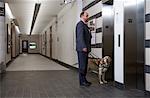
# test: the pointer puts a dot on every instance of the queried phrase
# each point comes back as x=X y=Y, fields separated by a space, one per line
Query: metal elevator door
x=134 y=43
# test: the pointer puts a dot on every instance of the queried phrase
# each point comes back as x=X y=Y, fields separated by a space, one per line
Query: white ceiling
x=23 y=11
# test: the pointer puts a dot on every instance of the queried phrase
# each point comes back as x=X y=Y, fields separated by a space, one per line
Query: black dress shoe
x=86 y=84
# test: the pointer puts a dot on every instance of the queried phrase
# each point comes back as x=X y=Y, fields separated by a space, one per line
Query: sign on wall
x=92 y=26
x=2 y=11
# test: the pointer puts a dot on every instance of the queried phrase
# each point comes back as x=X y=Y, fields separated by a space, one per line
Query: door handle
x=119 y=40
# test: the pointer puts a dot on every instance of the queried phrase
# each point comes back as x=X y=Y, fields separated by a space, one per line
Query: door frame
x=50 y=42
x=11 y=38
x=27 y=45
x=45 y=43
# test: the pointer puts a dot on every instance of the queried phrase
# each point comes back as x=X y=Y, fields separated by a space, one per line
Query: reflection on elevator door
x=25 y=46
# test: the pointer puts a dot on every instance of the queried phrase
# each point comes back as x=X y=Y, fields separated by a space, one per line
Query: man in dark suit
x=83 y=47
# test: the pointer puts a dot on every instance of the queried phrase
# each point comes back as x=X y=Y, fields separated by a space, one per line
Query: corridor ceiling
x=23 y=11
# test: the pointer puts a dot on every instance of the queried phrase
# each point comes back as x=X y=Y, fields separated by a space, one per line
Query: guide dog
x=103 y=64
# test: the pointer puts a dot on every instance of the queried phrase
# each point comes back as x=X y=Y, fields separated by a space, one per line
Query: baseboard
x=33 y=53
x=15 y=56
x=9 y=62
x=64 y=64
x=60 y=62
x=44 y=56
x=119 y=85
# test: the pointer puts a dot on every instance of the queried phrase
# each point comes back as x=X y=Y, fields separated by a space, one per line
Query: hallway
x=33 y=62
x=39 y=55
x=55 y=82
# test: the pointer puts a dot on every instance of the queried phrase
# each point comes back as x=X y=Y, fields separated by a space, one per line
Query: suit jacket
x=83 y=37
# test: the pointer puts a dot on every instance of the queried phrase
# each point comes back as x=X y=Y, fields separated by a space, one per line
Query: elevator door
x=134 y=43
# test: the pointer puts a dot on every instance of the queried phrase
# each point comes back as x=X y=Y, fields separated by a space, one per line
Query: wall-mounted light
x=68 y=1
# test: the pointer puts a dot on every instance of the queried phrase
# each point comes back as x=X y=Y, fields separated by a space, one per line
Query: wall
x=67 y=20
x=63 y=34
x=15 y=41
x=94 y=8
x=12 y=38
x=32 y=38
x=147 y=47
x=8 y=23
x=63 y=31
x=2 y=40
x=43 y=44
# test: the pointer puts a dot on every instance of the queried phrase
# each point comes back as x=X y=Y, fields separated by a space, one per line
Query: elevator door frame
x=108 y=37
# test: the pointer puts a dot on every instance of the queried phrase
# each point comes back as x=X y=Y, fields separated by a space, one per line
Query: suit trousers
x=83 y=63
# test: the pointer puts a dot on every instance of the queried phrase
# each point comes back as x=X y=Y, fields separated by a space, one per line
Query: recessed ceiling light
x=17 y=28
x=8 y=11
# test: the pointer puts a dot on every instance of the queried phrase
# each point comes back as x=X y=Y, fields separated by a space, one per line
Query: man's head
x=84 y=16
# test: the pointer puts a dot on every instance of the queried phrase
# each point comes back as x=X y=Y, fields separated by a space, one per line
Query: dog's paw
x=105 y=81
x=101 y=82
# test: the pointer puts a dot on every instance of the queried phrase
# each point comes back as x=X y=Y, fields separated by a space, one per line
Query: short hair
x=82 y=13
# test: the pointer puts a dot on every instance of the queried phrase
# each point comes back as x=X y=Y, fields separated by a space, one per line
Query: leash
x=93 y=56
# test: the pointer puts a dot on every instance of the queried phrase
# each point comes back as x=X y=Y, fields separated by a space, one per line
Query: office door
x=24 y=46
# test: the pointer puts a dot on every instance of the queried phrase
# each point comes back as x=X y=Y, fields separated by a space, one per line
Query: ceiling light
x=17 y=28
x=65 y=1
x=68 y=1
x=8 y=11
x=36 y=11
x=38 y=2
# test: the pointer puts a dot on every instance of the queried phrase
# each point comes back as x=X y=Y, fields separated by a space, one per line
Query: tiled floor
x=58 y=84
x=33 y=62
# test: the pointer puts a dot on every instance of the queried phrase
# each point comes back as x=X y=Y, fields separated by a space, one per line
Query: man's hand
x=84 y=49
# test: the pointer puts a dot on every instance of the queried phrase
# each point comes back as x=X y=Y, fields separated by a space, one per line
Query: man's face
x=85 y=17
